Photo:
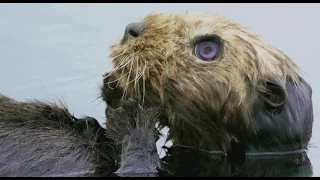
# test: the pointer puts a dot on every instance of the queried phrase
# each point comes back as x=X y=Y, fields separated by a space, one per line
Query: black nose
x=133 y=30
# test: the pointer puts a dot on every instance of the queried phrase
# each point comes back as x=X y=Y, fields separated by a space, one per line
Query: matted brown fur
x=207 y=104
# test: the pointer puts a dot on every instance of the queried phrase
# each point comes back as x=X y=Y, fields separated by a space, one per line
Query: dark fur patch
x=290 y=128
x=44 y=139
x=137 y=135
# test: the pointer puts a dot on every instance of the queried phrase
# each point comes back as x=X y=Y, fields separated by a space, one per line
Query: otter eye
x=207 y=50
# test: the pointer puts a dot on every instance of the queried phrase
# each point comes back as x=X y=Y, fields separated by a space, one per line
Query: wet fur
x=44 y=139
x=251 y=92
x=136 y=134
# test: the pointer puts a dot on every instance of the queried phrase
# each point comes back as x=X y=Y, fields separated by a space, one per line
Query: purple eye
x=207 y=50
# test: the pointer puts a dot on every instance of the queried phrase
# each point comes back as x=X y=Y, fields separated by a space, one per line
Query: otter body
x=44 y=139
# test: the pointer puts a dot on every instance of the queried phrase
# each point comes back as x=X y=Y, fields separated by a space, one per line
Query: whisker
x=144 y=89
x=118 y=79
x=137 y=78
x=124 y=51
x=128 y=78
x=123 y=62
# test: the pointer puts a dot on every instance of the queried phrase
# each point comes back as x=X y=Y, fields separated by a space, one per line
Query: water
x=59 y=51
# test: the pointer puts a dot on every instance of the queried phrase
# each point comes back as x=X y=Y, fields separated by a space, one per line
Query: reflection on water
x=59 y=52
x=192 y=163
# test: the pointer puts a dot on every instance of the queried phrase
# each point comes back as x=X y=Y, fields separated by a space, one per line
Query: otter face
x=210 y=73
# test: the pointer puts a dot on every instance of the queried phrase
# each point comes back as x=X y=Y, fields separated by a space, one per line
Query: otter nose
x=133 y=30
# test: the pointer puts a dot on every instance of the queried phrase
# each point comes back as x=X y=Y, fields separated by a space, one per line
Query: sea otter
x=217 y=86
x=219 y=83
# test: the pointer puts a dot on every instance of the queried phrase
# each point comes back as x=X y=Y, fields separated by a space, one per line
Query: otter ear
x=274 y=96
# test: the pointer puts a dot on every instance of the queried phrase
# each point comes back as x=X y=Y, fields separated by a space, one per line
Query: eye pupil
x=207 y=50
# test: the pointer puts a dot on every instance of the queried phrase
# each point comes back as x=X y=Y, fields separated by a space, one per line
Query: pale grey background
x=59 y=51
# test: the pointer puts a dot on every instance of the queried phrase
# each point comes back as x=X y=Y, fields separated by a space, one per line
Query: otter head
x=212 y=76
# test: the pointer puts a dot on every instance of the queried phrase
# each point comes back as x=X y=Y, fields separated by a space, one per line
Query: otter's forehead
x=191 y=25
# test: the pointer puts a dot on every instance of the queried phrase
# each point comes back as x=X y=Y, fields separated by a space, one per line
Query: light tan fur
x=160 y=68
